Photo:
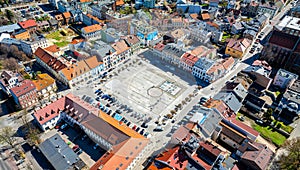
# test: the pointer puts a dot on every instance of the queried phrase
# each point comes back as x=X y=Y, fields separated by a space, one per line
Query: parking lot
x=73 y=137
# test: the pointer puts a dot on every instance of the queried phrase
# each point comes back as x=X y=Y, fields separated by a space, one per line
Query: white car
x=96 y=146
x=63 y=126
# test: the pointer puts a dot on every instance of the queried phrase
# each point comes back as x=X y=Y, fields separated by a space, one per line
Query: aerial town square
x=149 y=84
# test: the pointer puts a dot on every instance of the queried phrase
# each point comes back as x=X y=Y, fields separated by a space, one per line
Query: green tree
x=7 y=136
x=267 y=115
x=9 y=14
x=291 y=160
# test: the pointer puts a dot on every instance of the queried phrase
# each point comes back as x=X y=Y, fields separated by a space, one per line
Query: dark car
x=142 y=132
x=144 y=125
x=137 y=129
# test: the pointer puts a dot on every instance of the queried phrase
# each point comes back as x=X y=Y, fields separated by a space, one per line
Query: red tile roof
x=244 y=126
x=189 y=59
x=48 y=59
x=159 y=47
x=53 y=48
x=51 y=111
x=23 y=88
x=260 y=157
x=28 y=24
x=283 y=40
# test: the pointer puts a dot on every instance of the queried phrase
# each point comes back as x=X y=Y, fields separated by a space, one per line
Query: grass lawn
x=284 y=127
x=55 y=35
x=61 y=44
x=277 y=93
x=267 y=133
x=225 y=36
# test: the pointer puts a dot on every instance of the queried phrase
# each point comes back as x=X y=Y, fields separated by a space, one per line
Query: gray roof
x=170 y=49
x=10 y=41
x=295 y=86
x=250 y=32
x=287 y=74
x=53 y=22
x=238 y=89
x=58 y=153
x=102 y=48
x=204 y=63
x=9 y=28
x=207 y=119
x=230 y=99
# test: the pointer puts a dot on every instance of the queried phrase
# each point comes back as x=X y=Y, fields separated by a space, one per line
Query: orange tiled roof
x=82 y=1
x=92 y=28
x=24 y=87
x=53 y=48
x=76 y=41
x=75 y=70
x=27 y=24
x=67 y=14
x=197 y=51
x=95 y=18
x=121 y=155
x=43 y=81
x=205 y=16
x=119 y=2
x=194 y=16
x=120 y=46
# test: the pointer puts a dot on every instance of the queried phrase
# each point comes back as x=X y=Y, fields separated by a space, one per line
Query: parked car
x=75 y=147
x=84 y=137
x=128 y=123
x=259 y=121
x=109 y=112
x=203 y=99
x=134 y=127
x=79 y=151
x=158 y=129
x=144 y=125
x=137 y=129
x=63 y=126
x=142 y=132
x=241 y=118
x=96 y=146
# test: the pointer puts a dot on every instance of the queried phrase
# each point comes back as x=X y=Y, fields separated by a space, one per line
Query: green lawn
x=225 y=36
x=267 y=133
x=55 y=35
x=284 y=127
x=277 y=93
x=61 y=44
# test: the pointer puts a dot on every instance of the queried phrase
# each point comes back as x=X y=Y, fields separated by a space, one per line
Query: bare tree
x=292 y=159
x=7 y=136
x=10 y=64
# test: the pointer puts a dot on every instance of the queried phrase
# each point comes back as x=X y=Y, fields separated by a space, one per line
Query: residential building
x=284 y=79
x=120 y=22
x=89 y=20
x=59 y=18
x=53 y=3
x=59 y=154
x=252 y=8
x=144 y=31
x=91 y=32
x=29 y=25
x=29 y=47
x=106 y=53
x=9 y=28
x=9 y=80
x=237 y=28
x=68 y=19
x=289 y=106
x=269 y=8
x=237 y=88
x=260 y=73
x=237 y=48
x=172 y=54
x=24 y=94
x=22 y=34
x=149 y=4
x=201 y=68
x=53 y=24
x=199 y=34
x=133 y=42
x=54 y=50
x=50 y=63
x=187 y=61
x=110 y=35
x=238 y=136
x=258 y=158
x=95 y=10
x=123 y=145
x=213 y=3
x=289 y=25
x=122 y=50
x=81 y=71
x=63 y=6
x=231 y=100
x=45 y=85
x=43 y=25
